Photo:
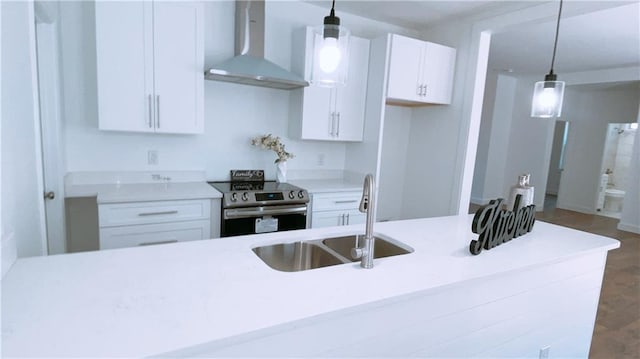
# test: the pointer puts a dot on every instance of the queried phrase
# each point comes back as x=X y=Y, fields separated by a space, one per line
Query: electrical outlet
x=544 y=353
x=152 y=157
x=321 y=159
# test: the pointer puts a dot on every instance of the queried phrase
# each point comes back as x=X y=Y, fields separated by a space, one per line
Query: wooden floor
x=617 y=329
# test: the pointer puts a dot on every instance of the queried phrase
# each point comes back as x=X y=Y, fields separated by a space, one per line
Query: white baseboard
x=575 y=208
x=627 y=227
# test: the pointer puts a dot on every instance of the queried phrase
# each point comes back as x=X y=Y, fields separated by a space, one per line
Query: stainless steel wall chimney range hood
x=249 y=66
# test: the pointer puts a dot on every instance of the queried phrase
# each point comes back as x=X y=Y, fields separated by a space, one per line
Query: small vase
x=281 y=172
x=524 y=189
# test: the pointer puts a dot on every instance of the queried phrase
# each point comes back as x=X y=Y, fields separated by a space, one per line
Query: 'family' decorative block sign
x=496 y=226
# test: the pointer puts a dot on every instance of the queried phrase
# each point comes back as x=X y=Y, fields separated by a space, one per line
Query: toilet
x=613 y=199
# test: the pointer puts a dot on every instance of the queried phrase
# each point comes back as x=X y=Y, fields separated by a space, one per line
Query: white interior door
x=53 y=170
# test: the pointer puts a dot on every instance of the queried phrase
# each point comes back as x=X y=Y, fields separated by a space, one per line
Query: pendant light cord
x=555 y=44
x=333 y=4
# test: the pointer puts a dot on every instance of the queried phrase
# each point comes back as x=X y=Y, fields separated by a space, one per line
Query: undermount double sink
x=305 y=255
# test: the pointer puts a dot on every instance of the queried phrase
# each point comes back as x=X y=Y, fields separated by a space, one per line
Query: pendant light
x=548 y=94
x=330 y=52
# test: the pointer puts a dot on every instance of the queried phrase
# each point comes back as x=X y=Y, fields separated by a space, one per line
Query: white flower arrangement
x=269 y=142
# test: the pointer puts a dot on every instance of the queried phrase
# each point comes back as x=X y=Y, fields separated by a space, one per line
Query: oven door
x=251 y=220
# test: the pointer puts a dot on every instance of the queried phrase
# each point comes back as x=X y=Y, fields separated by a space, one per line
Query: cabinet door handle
x=158 y=110
x=158 y=242
x=338 y=126
x=331 y=115
x=425 y=90
x=342 y=221
x=346 y=201
x=419 y=90
x=150 y=113
x=334 y=118
x=156 y=213
x=348 y=220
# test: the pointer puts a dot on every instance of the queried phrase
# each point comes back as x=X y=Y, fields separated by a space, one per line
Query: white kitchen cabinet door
x=356 y=217
x=337 y=218
x=124 y=48
x=150 y=64
x=330 y=114
x=439 y=63
x=178 y=64
x=420 y=72
x=405 y=68
x=151 y=234
x=317 y=113
x=351 y=99
x=328 y=219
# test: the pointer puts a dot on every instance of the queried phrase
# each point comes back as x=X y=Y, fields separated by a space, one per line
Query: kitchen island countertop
x=146 y=301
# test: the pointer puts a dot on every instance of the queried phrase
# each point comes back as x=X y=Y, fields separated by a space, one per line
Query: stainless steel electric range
x=252 y=205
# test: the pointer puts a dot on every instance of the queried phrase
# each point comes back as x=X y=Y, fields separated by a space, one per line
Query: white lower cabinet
x=146 y=223
x=336 y=209
x=149 y=234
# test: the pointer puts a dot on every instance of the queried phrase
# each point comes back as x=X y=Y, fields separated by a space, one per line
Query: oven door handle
x=262 y=211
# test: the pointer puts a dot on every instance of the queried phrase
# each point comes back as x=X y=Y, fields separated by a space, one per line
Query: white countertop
x=143 y=301
x=140 y=192
x=328 y=185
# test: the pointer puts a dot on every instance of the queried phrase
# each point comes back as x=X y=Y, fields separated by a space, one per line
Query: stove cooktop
x=264 y=193
x=269 y=186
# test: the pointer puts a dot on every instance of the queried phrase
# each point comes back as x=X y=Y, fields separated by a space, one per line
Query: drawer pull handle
x=156 y=213
x=158 y=242
x=349 y=201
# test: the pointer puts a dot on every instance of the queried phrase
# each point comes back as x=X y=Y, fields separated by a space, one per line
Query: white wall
x=233 y=113
x=624 y=153
x=555 y=171
x=495 y=131
x=21 y=176
x=393 y=162
x=630 y=218
x=589 y=113
x=484 y=136
x=530 y=142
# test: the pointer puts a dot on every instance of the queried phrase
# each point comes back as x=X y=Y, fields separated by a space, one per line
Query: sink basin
x=382 y=248
x=297 y=256
x=318 y=253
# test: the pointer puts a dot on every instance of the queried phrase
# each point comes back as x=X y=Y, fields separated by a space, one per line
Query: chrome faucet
x=367 y=205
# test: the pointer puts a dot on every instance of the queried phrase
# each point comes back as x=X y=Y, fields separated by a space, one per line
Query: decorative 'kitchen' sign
x=497 y=226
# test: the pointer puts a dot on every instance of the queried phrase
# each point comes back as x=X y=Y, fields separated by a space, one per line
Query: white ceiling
x=602 y=39
x=411 y=14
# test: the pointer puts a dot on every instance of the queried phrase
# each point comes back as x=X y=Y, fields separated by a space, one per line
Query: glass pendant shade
x=330 y=55
x=547 y=98
x=548 y=94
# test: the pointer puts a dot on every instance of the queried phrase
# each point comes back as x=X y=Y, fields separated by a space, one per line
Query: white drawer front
x=150 y=234
x=123 y=214
x=336 y=201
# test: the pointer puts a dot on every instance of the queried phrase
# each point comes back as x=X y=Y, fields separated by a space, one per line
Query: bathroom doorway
x=556 y=164
x=616 y=162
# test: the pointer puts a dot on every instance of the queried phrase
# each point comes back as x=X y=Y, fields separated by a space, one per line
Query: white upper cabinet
x=420 y=71
x=150 y=61
x=329 y=114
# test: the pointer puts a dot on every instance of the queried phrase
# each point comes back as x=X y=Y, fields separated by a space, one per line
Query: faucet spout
x=367 y=205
